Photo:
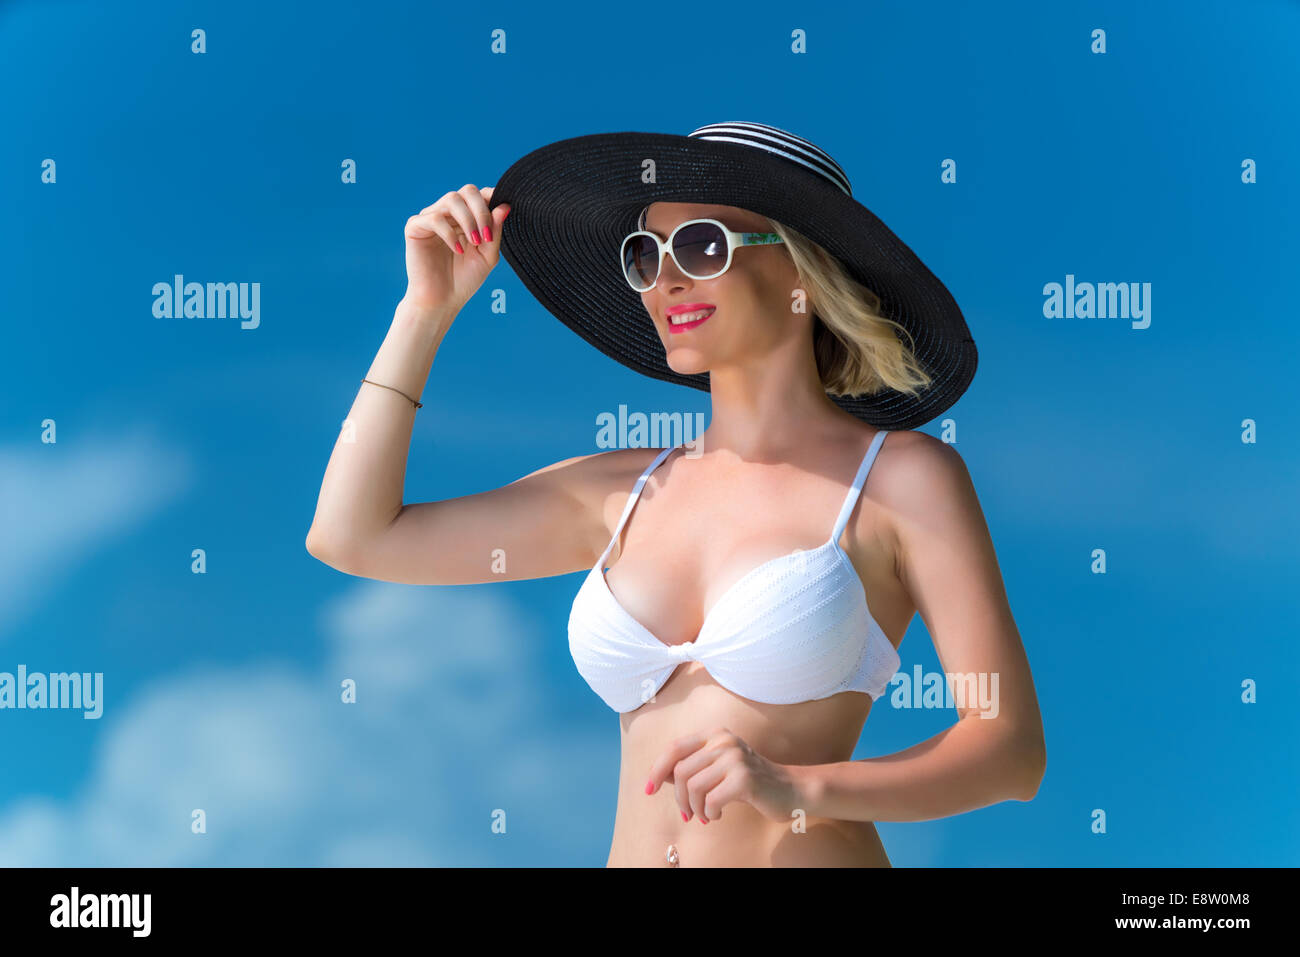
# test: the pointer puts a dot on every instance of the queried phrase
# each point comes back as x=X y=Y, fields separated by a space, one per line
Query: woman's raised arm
x=546 y=523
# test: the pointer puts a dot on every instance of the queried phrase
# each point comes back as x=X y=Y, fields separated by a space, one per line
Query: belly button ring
x=671 y=856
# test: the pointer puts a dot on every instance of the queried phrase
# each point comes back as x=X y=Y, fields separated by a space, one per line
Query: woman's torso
x=699 y=526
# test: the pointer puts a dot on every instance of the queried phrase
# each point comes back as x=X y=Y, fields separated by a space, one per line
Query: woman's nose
x=670 y=277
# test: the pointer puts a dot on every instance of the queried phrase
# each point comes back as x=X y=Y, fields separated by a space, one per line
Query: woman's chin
x=686 y=362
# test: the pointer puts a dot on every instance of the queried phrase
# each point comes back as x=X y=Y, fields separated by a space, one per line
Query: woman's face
x=752 y=301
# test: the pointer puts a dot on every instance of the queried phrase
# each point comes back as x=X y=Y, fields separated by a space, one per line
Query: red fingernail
x=473 y=236
x=487 y=233
x=649 y=787
x=684 y=817
x=704 y=820
x=458 y=249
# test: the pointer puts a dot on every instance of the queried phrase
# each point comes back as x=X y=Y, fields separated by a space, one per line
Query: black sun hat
x=574 y=201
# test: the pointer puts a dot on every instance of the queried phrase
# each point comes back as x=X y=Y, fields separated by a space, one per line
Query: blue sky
x=221 y=689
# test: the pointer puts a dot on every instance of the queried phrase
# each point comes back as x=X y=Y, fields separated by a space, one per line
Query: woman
x=732 y=636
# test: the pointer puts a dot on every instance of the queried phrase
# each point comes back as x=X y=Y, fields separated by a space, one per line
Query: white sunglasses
x=701 y=248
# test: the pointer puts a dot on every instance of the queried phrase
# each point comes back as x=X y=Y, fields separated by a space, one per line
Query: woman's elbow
x=321 y=549
x=1031 y=758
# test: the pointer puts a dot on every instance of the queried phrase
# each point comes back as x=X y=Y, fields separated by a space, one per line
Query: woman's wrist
x=809 y=787
x=406 y=355
x=439 y=315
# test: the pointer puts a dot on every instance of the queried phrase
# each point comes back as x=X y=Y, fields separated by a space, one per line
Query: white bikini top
x=796 y=628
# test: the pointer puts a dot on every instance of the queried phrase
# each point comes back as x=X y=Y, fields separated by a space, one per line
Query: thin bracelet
x=418 y=405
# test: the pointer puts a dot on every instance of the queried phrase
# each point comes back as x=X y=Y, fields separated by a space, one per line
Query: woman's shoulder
x=916 y=467
x=923 y=487
x=614 y=472
x=595 y=476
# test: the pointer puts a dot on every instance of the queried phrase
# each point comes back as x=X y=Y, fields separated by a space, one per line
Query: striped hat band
x=772 y=139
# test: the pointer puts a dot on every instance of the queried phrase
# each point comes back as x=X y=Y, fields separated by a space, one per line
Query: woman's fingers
x=433 y=223
x=703 y=783
x=455 y=207
x=687 y=777
x=466 y=217
x=504 y=207
x=461 y=214
x=478 y=210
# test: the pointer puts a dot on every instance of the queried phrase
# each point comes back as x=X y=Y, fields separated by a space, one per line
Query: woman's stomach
x=812 y=732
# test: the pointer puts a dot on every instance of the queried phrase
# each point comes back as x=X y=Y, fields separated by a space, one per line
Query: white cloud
x=64 y=500
x=451 y=722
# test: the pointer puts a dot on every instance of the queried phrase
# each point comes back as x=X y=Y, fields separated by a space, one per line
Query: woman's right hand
x=437 y=276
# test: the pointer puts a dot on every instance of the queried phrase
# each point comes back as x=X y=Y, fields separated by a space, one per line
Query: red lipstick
x=689 y=307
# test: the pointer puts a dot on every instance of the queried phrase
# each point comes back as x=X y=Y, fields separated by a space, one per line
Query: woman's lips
x=684 y=326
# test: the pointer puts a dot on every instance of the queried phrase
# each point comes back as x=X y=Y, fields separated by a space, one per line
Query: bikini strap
x=851 y=499
x=631 y=502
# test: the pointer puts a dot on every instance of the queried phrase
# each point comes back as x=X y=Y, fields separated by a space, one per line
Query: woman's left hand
x=711 y=770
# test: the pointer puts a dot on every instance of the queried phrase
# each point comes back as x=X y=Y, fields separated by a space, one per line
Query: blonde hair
x=855 y=345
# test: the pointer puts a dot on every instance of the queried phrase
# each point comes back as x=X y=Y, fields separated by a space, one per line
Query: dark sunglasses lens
x=701 y=250
x=641 y=261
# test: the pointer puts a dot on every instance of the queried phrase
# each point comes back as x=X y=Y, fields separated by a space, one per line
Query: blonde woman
x=745 y=597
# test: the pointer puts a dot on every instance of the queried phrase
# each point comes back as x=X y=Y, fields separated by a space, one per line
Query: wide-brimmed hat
x=573 y=202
